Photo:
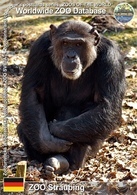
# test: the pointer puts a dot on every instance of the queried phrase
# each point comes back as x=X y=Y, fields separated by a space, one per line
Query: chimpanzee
x=71 y=97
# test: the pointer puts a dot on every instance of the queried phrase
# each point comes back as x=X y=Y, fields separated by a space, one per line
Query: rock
x=106 y=23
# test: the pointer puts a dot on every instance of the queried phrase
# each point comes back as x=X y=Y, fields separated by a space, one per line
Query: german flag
x=15 y=184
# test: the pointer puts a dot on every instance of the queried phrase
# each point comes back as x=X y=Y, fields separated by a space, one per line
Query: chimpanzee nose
x=71 y=54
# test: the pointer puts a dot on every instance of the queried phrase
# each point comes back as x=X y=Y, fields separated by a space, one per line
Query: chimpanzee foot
x=56 y=165
x=49 y=171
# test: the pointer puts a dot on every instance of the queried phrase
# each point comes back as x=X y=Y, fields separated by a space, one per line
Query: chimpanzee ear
x=96 y=34
x=53 y=29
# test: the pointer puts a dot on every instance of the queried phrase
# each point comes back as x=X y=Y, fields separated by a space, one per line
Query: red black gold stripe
x=13 y=184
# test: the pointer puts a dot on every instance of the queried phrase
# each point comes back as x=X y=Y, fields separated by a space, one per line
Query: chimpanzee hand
x=55 y=145
x=49 y=143
x=58 y=145
x=56 y=128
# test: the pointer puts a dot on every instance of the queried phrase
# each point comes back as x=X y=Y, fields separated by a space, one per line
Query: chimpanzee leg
x=76 y=156
x=78 y=153
x=73 y=159
x=59 y=164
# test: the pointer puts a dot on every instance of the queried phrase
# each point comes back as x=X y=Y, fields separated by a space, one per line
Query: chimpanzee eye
x=65 y=43
x=78 y=44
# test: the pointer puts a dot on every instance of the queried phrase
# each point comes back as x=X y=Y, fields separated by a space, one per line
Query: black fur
x=87 y=109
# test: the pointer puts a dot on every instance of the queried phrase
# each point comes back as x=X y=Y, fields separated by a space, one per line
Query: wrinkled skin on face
x=76 y=43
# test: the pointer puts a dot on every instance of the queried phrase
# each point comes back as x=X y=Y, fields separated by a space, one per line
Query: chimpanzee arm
x=35 y=128
x=33 y=120
x=97 y=123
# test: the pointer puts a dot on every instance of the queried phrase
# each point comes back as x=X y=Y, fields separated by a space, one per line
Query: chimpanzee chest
x=71 y=92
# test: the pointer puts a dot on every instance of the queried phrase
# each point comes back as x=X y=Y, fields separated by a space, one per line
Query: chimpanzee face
x=73 y=50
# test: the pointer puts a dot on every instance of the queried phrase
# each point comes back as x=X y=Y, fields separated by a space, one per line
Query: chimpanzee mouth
x=74 y=74
x=71 y=70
